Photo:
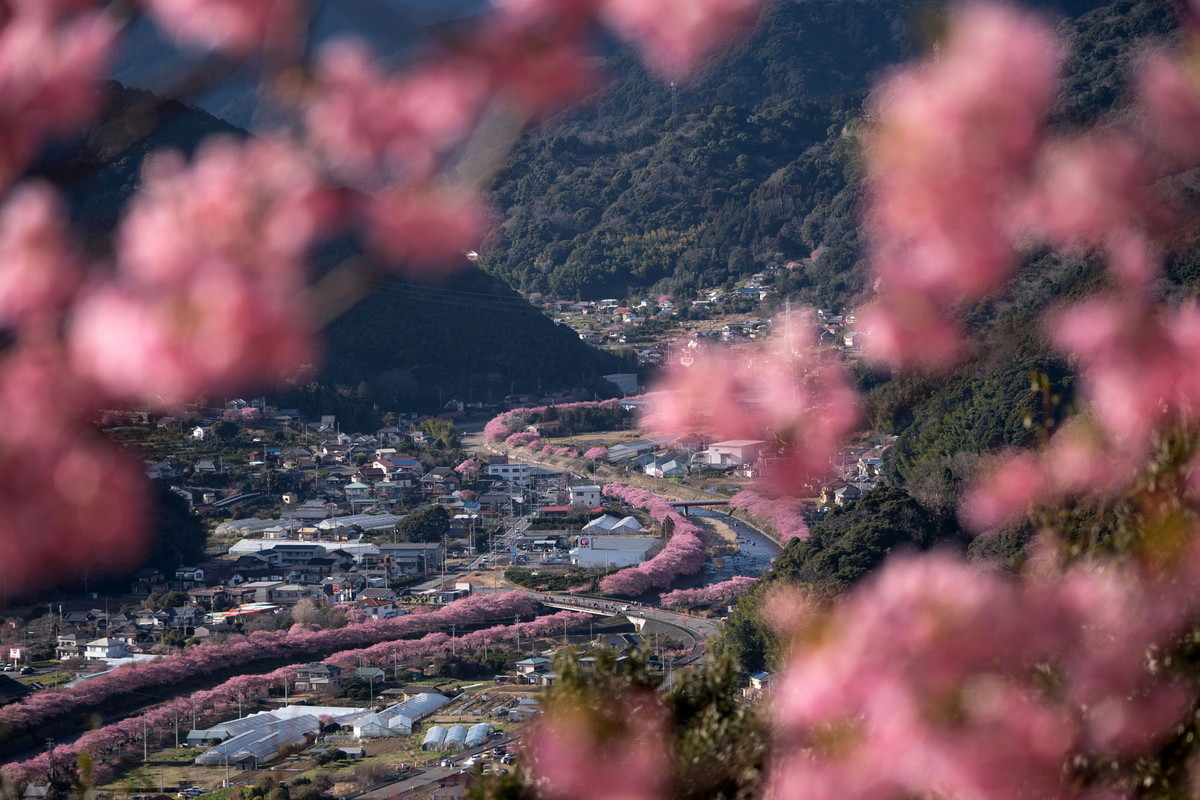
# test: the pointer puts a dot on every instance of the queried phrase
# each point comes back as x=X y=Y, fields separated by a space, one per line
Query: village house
x=319 y=677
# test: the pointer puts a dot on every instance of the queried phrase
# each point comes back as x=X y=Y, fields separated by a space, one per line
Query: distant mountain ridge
x=410 y=345
x=392 y=27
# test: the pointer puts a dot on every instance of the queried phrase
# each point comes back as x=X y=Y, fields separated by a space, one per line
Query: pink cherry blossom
x=232 y=26
x=57 y=477
x=1075 y=462
x=596 y=453
x=210 y=262
x=425 y=229
x=903 y=669
x=38 y=270
x=785 y=393
x=952 y=150
x=716 y=593
x=569 y=759
x=682 y=555
x=677 y=36
x=51 y=63
x=469 y=468
x=1170 y=92
x=1137 y=362
x=369 y=122
x=106 y=741
x=785 y=515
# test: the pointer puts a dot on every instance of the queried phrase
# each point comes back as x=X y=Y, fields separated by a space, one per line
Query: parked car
x=27 y=670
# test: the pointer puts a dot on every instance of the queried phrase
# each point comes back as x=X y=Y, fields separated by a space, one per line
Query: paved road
x=427 y=777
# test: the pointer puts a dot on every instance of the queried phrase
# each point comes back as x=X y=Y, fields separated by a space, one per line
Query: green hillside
x=758 y=165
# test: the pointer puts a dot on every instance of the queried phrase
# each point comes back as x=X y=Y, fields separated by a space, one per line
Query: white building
x=516 y=473
x=613 y=551
x=734 y=452
x=615 y=526
x=585 y=496
x=101 y=649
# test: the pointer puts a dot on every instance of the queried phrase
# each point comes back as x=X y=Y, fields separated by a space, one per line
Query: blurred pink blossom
x=1075 y=462
x=901 y=695
x=676 y=36
x=1137 y=362
x=569 y=759
x=372 y=124
x=425 y=229
x=541 y=68
x=210 y=277
x=236 y=27
x=1090 y=189
x=905 y=328
x=785 y=393
x=51 y=65
x=951 y=151
x=38 y=270
x=83 y=498
x=1169 y=89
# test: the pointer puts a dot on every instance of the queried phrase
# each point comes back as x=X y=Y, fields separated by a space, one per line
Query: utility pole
x=145 y=741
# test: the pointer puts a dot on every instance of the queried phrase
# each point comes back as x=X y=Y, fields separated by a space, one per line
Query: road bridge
x=687 y=504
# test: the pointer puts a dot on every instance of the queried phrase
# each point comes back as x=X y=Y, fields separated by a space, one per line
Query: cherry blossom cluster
x=963 y=172
x=786 y=393
x=200 y=660
x=951 y=155
x=596 y=453
x=611 y=751
x=682 y=555
x=108 y=741
x=469 y=469
x=706 y=595
x=784 y=515
x=1065 y=668
x=501 y=426
x=524 y=439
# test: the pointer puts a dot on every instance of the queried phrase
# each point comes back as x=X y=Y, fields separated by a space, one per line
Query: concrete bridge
x=601 y=608
x=684 y=505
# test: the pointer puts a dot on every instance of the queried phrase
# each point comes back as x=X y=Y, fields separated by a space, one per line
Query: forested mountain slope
x=470 y=337
x=757 y=166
